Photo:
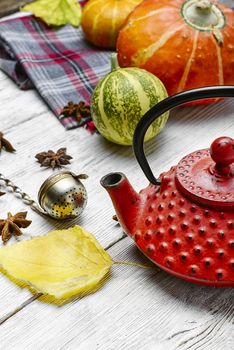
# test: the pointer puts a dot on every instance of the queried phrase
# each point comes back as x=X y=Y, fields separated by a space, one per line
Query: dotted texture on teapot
x=191 y=241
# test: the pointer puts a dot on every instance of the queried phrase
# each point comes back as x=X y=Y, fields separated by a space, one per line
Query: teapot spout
x=125 y=199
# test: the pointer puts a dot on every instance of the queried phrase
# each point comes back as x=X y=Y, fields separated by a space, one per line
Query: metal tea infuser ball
x=61 y=196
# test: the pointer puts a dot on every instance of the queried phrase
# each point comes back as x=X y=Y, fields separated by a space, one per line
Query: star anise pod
x=4 y=143
x=12 y=225
x=52 y=159
x=77 y=110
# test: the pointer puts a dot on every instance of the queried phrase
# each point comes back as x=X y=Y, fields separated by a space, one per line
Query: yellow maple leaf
x=62 y=264
x=56 y=12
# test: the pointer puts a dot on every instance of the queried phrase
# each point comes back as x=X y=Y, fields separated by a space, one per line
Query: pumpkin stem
x=204 y=5
x=114 y=62
x=204 y=15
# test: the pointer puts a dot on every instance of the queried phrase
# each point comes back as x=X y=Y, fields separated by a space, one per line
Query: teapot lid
x=207 y=176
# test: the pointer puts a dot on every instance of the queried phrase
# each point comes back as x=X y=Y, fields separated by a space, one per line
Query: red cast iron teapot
x=184 y=220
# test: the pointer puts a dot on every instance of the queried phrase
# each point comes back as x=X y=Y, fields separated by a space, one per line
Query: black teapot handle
x=164 y=106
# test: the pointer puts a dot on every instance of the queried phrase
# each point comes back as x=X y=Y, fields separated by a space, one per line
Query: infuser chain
x=24 y=196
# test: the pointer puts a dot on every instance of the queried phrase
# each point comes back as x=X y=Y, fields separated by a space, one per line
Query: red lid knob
x=207 y=176
x=222 y=151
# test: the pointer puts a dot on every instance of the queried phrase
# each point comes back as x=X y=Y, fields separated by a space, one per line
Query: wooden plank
x=97 y=157
x=187 y=129
x=29 y=137
x=181 y=316
x=10 y=6
x=136 y=309
x=18 y=106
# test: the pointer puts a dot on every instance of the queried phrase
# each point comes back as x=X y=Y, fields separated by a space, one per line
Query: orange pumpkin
x=102 y=19
x=186 y=44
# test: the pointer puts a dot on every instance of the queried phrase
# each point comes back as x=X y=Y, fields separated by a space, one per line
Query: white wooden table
x=137 y=308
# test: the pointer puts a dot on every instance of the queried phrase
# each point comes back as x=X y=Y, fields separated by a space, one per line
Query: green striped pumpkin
x=121 y=98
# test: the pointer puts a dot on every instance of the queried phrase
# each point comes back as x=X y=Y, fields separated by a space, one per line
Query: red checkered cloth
x=58 y=63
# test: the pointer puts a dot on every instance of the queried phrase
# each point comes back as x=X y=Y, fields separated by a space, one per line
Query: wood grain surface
x=137 y=308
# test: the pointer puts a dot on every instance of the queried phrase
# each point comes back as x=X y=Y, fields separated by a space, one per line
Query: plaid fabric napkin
x=58 y=63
